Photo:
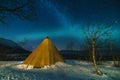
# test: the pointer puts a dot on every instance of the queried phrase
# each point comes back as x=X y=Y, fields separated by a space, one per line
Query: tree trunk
x=94 y=59
x=118 y=64
x=114 y=60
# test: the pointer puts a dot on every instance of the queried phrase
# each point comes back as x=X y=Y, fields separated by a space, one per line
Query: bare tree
x=116 y=58
x=24 y=9
x=97 y=36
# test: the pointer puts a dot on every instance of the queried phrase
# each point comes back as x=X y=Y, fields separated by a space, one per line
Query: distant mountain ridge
x=8 y=42
x=9 y=50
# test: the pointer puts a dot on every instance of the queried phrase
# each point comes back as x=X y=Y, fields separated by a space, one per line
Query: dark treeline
x=85 y=55
x=105 y=55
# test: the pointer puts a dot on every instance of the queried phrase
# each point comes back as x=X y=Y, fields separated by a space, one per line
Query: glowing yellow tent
x=45 y=54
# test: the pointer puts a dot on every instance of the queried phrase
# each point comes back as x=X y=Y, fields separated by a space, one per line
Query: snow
x=20 y=62
x=21 y=66
x=71 y=70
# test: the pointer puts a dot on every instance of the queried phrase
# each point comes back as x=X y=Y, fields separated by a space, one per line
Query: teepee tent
x=44 y=55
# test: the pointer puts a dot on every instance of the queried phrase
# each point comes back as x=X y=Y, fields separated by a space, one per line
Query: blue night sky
x=62 y=21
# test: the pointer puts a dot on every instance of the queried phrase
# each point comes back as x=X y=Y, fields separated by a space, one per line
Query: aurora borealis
x=62 y=21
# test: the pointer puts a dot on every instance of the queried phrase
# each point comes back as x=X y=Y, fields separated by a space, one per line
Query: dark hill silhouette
x=9 y=50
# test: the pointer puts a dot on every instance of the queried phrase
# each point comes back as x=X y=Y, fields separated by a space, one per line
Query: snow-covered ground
x=71 y=70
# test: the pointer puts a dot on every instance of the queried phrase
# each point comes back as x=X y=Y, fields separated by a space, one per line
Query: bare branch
x=6 y=8
x=97 y=33
x=24 y=9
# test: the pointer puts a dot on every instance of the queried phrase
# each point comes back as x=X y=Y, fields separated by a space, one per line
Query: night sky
x=62 y=21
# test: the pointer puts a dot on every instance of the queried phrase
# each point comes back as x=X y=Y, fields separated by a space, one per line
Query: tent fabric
x=45 y=54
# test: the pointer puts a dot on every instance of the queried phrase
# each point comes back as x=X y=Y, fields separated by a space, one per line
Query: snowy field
x=71 y=70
